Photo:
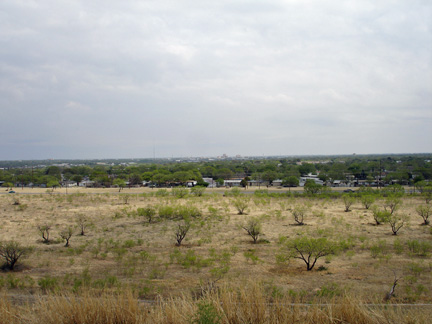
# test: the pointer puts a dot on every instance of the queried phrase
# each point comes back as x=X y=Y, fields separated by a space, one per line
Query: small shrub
x=198 y=191
x=181 y=231
x=66 y=234
x=82 y=222
x=180 y=192
x=299 y=213
x=380 y=216
x=253 y=228
x=44 y=231
x=148 y=212
x=348 y=202
x=367 y=201
x=241 y=204
x=424 y=211
x=12 y=252
x=161 y=193
x=206 y=314
x=48 y=283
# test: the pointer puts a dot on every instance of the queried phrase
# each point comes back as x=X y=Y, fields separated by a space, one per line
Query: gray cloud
x=111 y=79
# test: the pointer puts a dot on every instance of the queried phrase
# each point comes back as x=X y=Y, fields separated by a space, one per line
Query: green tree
x=290 y=181
x=77 y=178
x=424 y=211
x=367 y=200
x=348 y=201
x=241 y=204
x=198 y=191
x=311 y=187
x=120 y=183
x=309 y=250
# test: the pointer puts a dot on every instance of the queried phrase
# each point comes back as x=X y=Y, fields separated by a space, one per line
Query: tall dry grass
x=248 y=304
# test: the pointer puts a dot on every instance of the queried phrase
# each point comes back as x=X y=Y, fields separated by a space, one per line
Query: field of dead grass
x=122 y=251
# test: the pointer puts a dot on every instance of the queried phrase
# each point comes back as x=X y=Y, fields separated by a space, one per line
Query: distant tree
x=77 y=178
x=311 y=187
x=135 y=179
x=291 y=181
x=306 y=168
x=270 y=176
x=120 y=183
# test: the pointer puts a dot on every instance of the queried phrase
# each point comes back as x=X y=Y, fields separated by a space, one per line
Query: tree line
x=405 y=170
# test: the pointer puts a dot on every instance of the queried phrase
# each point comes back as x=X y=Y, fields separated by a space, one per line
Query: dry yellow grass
x=226 y=305
x=122 y=251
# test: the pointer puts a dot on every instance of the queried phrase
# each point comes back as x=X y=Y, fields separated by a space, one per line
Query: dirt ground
x=121 y=249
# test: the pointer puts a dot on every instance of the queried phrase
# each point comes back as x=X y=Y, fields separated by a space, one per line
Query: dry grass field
x=122 y=251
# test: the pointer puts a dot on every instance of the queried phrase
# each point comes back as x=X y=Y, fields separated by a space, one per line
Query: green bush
x=180 y=192
x=206 y=314
x=48 y=283
x=419 y=248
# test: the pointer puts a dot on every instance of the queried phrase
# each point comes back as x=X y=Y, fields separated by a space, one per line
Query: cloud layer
x=111 y=79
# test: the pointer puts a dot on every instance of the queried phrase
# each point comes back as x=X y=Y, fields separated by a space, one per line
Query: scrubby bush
x=181 y=231
x=44 y=231
x=241 y=204
x=148 y=212
x=12 y=252
x=254 y=228
x=367 y=200
x=424 y=211
x=380 y=216
x=198 y=191
x=396 y=222
x=66 y=234
x=309 y=250
x=82 y=222
x=299 y=213
x=180 y=192
x=348 y=202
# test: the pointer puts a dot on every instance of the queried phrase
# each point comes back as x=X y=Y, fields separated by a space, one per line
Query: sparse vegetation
x=118 y=253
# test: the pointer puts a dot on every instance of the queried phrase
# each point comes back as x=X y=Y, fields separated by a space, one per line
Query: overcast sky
x=126 y=79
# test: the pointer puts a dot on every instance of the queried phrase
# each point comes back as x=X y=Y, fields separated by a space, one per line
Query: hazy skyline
x=130 y=79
